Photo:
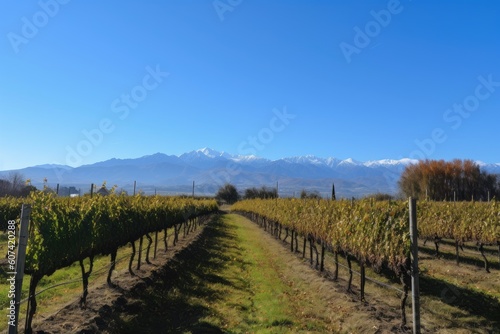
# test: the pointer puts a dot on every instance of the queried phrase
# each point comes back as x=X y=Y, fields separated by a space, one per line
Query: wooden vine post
x=415 y=288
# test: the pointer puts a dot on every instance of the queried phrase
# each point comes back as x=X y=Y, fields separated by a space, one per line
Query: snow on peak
x=331 y=162
x=350 y=161
x=310 y=159
x=390 y=162
x=481 y=163
x=209 y=152
x=246 y=158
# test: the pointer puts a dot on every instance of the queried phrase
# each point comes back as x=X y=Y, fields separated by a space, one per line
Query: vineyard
x=358 y=234
x=373 y=233
x=461 y=222
x=68 y=230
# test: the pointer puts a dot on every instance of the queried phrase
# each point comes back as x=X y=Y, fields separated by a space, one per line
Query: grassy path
x=229 y=281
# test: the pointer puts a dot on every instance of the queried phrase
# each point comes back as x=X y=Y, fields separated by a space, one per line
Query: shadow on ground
x=168 y=303
x=474 y=302
x=463 y=258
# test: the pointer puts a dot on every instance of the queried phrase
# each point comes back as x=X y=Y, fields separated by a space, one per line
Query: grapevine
x=375 y=233
x=64 y=230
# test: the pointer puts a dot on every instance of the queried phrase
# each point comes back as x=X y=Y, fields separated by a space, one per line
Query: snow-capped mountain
x=210 y=169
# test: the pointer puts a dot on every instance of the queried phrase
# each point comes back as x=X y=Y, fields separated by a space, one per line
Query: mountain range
x=210 y=169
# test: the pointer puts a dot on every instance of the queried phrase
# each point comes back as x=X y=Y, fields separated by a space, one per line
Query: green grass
x=223 y=283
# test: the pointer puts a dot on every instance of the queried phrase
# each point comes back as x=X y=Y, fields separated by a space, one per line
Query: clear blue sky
x=362 y=79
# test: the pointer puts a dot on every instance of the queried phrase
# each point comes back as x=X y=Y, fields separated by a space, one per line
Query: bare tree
x=5 y=187
x=15 y=185
x=17 y=182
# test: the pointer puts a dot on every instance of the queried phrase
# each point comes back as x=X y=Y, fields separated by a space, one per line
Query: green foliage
x=228 y=193
x=263 y=192
x=380 y=197
x=65 y=230
x=373 y=232
x=377 y=232
x=462 y=221
x=310 y=194
x=10 y=209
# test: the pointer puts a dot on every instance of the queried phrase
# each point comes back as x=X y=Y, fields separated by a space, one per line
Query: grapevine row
x=464 y=221
x=477 y=222
x=66 y=230
x=376 y=233
x=10 y=209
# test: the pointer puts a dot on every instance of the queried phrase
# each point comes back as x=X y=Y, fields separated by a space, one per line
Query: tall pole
x=134 y=187
x=415 y=288
x=193 y=189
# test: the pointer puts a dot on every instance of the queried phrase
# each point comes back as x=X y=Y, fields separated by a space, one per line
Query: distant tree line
x=263 y=192
x=229 y=194
x=438 y=180
x=15 y=185
x=380 y=197
x=310 y=194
